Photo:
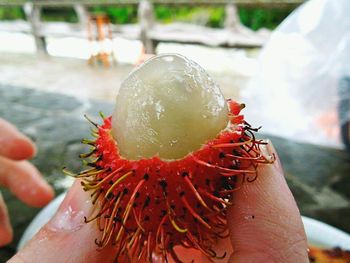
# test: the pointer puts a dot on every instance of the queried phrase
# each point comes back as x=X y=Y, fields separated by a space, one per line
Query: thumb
x=264 y=220
x=66 y=238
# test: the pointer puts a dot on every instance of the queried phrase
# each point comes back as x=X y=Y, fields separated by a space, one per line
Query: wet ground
x=230 y=69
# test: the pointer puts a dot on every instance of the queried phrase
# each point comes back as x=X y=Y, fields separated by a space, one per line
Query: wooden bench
x=234 y=34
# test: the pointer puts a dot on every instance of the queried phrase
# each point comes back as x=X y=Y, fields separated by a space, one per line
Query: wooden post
x=82 y=14
x=233 y=22
x=33 y=14
x=147 y=22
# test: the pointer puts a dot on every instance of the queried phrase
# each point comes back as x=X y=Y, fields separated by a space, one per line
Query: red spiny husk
x=150 y=206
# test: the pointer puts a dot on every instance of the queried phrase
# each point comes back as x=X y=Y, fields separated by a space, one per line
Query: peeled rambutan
x=164 y=166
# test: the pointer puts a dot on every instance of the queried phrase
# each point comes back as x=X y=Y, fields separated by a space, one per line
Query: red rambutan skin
x=151 y=205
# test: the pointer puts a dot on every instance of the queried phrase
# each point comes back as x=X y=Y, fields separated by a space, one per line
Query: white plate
x=318 y=233
x=323 y=235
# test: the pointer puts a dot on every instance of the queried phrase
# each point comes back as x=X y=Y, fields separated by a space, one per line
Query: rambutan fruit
x=164 y=166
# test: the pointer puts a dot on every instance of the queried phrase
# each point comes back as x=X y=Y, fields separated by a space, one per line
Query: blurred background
x=117 y=34
x=286 y=59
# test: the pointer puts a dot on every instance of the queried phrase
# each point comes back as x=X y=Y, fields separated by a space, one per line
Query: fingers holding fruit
x=18 y=175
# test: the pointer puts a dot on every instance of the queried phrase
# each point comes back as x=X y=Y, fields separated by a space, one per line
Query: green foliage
x=217 y=16
x=255 y=18
x=164 y=13
x=118 y=15
x=59 y=14
x=258 y=17
x=213 y=16
x=11 y=13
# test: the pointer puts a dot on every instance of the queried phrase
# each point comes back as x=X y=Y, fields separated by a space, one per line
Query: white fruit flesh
x=169 y=107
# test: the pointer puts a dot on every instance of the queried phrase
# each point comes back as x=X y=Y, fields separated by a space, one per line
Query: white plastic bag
x=295 y=91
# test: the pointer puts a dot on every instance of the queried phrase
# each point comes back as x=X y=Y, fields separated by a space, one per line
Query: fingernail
x=267 y=151
x=75 y=207
x=271 y=151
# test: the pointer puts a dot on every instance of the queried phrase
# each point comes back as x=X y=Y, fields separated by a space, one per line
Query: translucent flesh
x=169 y=107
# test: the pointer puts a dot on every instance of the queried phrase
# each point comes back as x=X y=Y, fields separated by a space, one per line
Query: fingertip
x=42 y=196
x=28 y=185
x=6 y=235
x=14 y=144
x=264 y=217
x=19 y=148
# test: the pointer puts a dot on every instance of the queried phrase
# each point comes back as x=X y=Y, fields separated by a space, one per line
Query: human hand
x=18 y=175
x=264 y=223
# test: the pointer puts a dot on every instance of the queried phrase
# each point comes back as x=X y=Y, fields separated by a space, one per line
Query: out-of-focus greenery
x=59 y=14
x=11 y=13
x=205 y=15
x=213 y=16
x=118 y=15
x=257 y=18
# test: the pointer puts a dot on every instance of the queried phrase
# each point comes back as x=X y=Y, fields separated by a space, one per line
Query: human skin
x=18 y=175
x=264 y=222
